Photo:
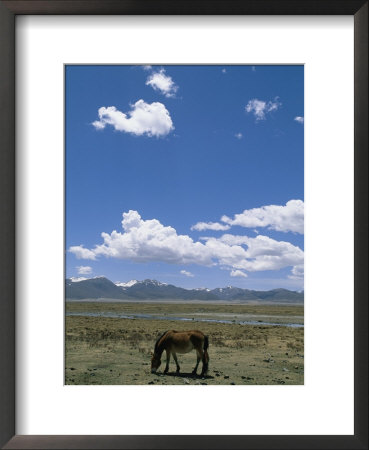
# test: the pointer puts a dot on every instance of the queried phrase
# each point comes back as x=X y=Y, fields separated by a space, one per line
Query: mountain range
x=101 y=287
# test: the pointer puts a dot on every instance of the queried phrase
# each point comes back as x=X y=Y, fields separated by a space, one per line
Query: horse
x=174 y=342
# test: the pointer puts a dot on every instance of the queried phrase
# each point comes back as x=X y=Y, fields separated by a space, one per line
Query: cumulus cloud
x=149 y=240
x=215 y=226
x=82 y=253
x=238 y=273
x=84 y=270
x=186 y=273
x=297 y=272
x=276 y=217
x=262 y=253
x=152 y=119
x=239 y=135
x=224 y=70
x=299 y=119
x=163 y=83
x=147 y=67
x=261 y=108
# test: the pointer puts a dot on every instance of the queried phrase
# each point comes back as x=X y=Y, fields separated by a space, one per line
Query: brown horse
x=174 y=342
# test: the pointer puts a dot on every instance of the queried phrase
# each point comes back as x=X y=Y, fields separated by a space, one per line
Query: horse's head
x=155 y=362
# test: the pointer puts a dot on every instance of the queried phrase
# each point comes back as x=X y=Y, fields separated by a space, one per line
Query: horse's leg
x=168 y=359
x=205 y=363
x=176 y=360
x=199 y=357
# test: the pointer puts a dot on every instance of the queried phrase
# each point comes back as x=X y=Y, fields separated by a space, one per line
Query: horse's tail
x=206 y=355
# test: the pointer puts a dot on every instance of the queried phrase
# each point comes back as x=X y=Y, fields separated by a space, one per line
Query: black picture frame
x=8 y=12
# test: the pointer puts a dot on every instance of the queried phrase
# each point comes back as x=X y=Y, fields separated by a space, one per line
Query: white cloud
x=299 y=119
x=224 y=70
x=253 y=68
x=276 y=217
x=77 y=279
x=261 y=108
x=239 y=135
x=186 y=273
x=163 y=83
x=100 y=124
x=84 y=270
x=82 y=253
x=215 y=226
x=264 y=253
x=238 y=273
x=147 y=67
x=144 y=118
x=149 y=240
x=297 y=272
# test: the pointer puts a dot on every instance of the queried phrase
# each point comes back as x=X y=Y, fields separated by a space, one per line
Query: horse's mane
x=157 y=341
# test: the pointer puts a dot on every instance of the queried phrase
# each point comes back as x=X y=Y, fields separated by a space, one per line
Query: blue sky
x=194 y=174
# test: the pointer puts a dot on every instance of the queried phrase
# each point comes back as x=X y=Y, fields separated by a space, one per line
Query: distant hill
x=93 y=288
x=101 y=287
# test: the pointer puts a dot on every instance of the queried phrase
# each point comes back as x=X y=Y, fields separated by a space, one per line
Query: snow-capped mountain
x=77 y=279
x=101 y=287
x=127 y=284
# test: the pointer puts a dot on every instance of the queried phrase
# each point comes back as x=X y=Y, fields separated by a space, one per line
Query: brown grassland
x=111 y=350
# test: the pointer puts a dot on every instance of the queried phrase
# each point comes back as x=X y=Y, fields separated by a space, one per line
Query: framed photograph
x=184 y=224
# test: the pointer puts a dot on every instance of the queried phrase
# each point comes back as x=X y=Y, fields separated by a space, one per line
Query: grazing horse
x=174 y=342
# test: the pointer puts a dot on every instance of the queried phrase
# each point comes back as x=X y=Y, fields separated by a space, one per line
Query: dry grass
x=102 y=350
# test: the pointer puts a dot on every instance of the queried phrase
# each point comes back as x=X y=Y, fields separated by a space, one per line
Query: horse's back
x=184 y=341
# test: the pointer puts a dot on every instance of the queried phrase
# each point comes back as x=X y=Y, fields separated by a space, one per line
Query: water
x=183 y=319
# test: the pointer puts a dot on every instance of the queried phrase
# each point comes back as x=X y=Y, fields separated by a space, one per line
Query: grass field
x=112 y=350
